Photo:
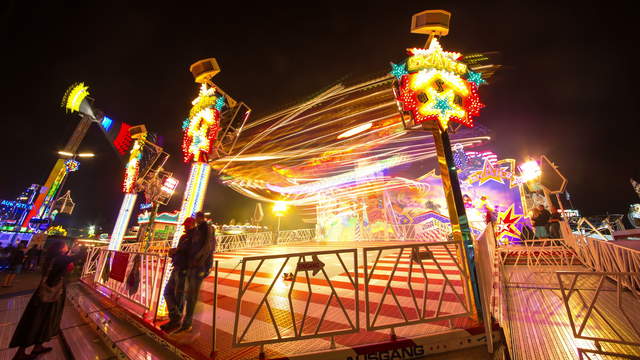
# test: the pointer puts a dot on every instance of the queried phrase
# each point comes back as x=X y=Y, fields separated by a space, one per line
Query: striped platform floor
x=297 y=307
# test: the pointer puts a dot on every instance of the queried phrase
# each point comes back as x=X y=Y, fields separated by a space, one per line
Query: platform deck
x=539 y=323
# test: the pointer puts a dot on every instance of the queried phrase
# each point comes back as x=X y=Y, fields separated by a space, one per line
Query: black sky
x=568 y=88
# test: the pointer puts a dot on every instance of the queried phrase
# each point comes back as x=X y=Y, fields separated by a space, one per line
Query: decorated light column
x=200 y=131
x=435 y=88
x=130 y=194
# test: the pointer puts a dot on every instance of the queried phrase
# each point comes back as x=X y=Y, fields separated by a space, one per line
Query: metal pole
x=455 y=206
x=215 y=306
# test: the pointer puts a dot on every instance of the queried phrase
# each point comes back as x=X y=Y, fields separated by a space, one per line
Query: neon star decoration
x=398 y=70
x=435 y=86
x=202 y=126
x=506 y=225
x=475 y=77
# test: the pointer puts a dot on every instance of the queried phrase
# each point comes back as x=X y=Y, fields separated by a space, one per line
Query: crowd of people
x=15 y=259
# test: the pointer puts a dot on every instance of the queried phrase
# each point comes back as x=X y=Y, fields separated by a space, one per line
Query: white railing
x=156 y=247
x=488 y=282
x=422 y=296
x=226 y=243
x=142 y=277
x=605 y=256
x=295 y=236
x=277 y=312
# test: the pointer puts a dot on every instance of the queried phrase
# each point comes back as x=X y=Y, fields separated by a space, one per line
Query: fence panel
x=142 y=277
x=415 y=283
x=226 y=243
x=295 y=236
x=318 y=297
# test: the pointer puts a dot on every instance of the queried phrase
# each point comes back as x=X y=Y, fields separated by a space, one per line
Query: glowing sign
x=203 y=124
x=75 y=95
x=432 y=87
x=169 y=185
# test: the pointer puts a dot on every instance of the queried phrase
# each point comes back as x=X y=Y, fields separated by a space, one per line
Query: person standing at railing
x=174 y=291
x=200 y=259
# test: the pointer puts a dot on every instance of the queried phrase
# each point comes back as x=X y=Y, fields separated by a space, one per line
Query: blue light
x=106 y=123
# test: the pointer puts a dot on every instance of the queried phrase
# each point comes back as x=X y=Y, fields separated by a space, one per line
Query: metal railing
x=143 y=277
x=156 y=247
x=226 y=243
x=443 y=294
x=584 y=313
x=488 y=282
x=294 y=236
x=605 y=256
x=276 y=313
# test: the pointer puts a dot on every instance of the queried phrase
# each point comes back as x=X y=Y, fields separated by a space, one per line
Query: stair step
x=85 y=344
x=124 y=340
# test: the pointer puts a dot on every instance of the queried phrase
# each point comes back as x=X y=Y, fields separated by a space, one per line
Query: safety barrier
x=294 y=236
x=226 y=243
x=141 y=275
x=276 y=312
x=604 y=256
x=442 y=295
x=582 y=309
x=488 y=280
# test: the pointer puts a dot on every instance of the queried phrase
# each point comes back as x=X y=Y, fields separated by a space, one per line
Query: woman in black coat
x=41 y=318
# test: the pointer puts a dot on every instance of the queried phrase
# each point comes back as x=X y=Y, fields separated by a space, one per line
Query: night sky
x=567 y=88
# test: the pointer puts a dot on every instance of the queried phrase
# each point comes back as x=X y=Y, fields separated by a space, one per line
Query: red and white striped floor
x=445 y=295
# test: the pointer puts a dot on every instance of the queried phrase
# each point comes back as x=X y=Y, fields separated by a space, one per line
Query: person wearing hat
x=174 y=291
x=200 y=259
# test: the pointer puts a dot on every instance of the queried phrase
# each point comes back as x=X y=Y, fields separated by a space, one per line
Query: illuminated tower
x=200 y=132
x=75 y=100
x=130 y=194
x=435 y=88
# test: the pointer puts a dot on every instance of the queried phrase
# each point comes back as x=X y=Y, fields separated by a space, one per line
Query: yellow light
x=77 y=94
x=65 y=153
x=87 y=155
x=356 y=130
x=279 y=208
x=530 y=170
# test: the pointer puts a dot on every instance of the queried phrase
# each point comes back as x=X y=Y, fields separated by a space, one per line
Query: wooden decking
x=539 y=326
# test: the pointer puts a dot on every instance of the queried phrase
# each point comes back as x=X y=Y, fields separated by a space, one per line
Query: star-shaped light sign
x=506 y=225
x=475 y=77
x=398 y=70
x=436 y=86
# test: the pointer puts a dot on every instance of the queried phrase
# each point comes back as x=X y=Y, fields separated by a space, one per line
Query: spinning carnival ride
x=347 y=160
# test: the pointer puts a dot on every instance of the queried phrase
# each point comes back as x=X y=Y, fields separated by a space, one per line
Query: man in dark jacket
x=174 y=291
x=200 y=259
